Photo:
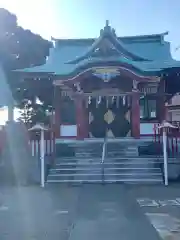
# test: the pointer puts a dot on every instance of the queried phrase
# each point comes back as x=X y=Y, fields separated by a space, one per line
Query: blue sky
x=84 y=18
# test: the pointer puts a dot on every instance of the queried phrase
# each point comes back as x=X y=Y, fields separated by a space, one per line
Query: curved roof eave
x=171 y=69
x=84 y=67
x=120 y=61
x=122 y=49
x=34 y=70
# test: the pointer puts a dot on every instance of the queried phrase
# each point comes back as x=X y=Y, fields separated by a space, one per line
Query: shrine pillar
x=81 y=118
x=135 y=114
x=161 y=108
x=57 y=106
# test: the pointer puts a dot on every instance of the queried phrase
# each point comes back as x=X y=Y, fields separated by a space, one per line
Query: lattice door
x=111 y=120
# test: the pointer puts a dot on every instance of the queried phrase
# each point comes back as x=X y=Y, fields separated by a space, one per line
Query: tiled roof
x=148 y=53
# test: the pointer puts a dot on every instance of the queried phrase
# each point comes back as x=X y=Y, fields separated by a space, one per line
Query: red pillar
x=161 y=108
x=135 y=115
x=81 y=118
x=57 y=117
x=86 y=120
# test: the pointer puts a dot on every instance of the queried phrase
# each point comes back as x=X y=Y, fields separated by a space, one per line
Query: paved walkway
x=162 y=206
x=72 y=213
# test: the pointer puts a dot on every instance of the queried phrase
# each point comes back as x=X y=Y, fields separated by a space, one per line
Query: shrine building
x=110 y=86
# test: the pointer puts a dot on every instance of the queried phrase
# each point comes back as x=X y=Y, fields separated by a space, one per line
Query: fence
x=34 y=141
x=49 y=143
x=173 y=139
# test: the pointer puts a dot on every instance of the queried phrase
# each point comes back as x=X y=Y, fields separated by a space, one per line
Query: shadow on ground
x=72 y=212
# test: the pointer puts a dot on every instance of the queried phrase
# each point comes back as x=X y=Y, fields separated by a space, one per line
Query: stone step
x=106 y=175
x=124 y=154
x=107 y=162
x=121 y=164
x=109 y=159
x=96 y=148
x=125 y=171
x=117 y=157
x=96 y=169
x=109 y=146
x=134 y=179
x=88 y=155
x=106 y=167
x=110 y=153
x=81 y=149
x=126 y=181
x=98 y=178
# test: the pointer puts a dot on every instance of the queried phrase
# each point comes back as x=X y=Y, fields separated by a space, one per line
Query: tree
x=31 y=114
x=26 y=112
x=20 y=48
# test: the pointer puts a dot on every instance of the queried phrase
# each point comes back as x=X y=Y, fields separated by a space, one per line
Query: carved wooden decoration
x=106 y=73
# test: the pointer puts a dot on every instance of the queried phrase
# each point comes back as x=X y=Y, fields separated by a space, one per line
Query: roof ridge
x=109 y=34
x=119 y=37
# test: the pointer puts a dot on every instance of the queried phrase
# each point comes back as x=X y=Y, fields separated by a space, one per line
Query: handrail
x=103 y=151
x=103 y=158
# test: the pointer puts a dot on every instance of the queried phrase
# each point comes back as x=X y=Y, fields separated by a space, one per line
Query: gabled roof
x=108 y=41
x=148 y=53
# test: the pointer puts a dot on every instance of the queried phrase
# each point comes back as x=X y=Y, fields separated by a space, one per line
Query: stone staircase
x=121 y=164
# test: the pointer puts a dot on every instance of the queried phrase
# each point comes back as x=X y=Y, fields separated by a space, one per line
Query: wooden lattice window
x=68 y=114
x=148 y=108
